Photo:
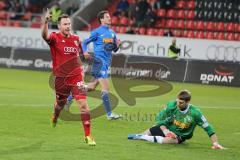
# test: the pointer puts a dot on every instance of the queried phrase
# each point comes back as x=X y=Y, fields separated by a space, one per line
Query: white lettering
x=162 y=74
x=205 y=78
x=210 y=77
x=80 y=84
x=223 y=53
x=230 y=78
x=217 y=78
x=12 y=62
x=39 y=63
x=224 y=79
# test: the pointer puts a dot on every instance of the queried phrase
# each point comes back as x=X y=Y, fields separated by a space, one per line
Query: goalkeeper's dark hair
x=100 y=15
x=184 y=95
x=62 y=16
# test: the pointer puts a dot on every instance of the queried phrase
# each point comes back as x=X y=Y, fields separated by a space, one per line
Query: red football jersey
x=65 y=55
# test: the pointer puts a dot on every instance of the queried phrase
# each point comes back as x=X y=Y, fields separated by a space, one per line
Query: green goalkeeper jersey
x=184 y=122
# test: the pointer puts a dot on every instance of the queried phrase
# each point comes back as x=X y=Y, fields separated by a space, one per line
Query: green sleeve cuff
x=210 y=131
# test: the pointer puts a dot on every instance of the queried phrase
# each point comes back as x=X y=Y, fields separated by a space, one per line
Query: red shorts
x=64 y=86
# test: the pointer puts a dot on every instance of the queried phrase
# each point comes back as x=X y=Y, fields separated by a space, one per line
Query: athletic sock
x=156 y=139
x=85 y=117
x=106 y=102
x=70 y=98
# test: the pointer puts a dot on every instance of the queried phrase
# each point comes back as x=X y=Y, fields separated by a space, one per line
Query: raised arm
x=46 y=19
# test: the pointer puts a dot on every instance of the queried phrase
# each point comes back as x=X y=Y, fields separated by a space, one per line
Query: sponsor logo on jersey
x=68 y=50
x=108 y=40
x=181 y=124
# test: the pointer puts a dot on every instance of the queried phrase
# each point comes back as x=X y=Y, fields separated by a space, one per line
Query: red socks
x=85 y=117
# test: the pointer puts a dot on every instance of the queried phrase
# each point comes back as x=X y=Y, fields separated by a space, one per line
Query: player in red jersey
x=67 y=69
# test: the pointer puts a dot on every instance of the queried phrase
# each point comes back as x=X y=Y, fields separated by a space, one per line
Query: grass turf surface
x=26 y=106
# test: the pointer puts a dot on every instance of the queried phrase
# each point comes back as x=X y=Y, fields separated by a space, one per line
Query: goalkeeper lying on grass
x=176 y=123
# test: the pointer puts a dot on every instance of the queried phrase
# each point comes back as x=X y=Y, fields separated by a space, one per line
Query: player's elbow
x=44 y=36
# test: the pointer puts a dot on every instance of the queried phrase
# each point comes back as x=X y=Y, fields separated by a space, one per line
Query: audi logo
x=223 y=53
x=70 y=50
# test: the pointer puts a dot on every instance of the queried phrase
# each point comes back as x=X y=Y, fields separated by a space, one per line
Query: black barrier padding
x=5 y=52
x=118 y=65
x=33 y=59
x=118 y=60
x=216 y=73
x=175 y=67
x=41 y=58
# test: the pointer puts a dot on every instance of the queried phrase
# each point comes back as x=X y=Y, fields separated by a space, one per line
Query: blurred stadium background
x=208 y=34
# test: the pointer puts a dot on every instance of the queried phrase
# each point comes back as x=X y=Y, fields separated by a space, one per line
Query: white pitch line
x=207 y=107
x=27 y=105
x=49 y=105
x=26 y=95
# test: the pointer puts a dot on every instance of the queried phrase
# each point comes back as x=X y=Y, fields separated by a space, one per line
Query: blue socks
x=70 y=98
x=106 y=102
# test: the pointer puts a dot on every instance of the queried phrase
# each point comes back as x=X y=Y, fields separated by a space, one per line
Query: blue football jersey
x=104 y=42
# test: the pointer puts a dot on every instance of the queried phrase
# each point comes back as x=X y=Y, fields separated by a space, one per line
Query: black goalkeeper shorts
x=156 y=131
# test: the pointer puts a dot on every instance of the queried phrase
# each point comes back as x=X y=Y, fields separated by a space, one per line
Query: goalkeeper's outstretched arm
x=215 y=144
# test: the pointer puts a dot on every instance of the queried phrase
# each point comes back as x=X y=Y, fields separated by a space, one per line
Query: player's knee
x=104 y=84
x=168 y=140
x=81 y=102
x=85 y=110
x=61 y=99
x=83 y=105
x=147 y=132
x=91 y=86
x=105 y=88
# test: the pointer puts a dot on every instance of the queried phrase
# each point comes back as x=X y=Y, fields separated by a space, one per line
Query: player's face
x=181 y=104
x=65 y=26
x=106 y=19
x=174 y=41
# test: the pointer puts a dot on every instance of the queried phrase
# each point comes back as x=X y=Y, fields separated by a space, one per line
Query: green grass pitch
x=26 y=105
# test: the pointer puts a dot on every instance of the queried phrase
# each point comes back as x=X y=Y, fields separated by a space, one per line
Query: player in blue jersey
x=104 y=43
